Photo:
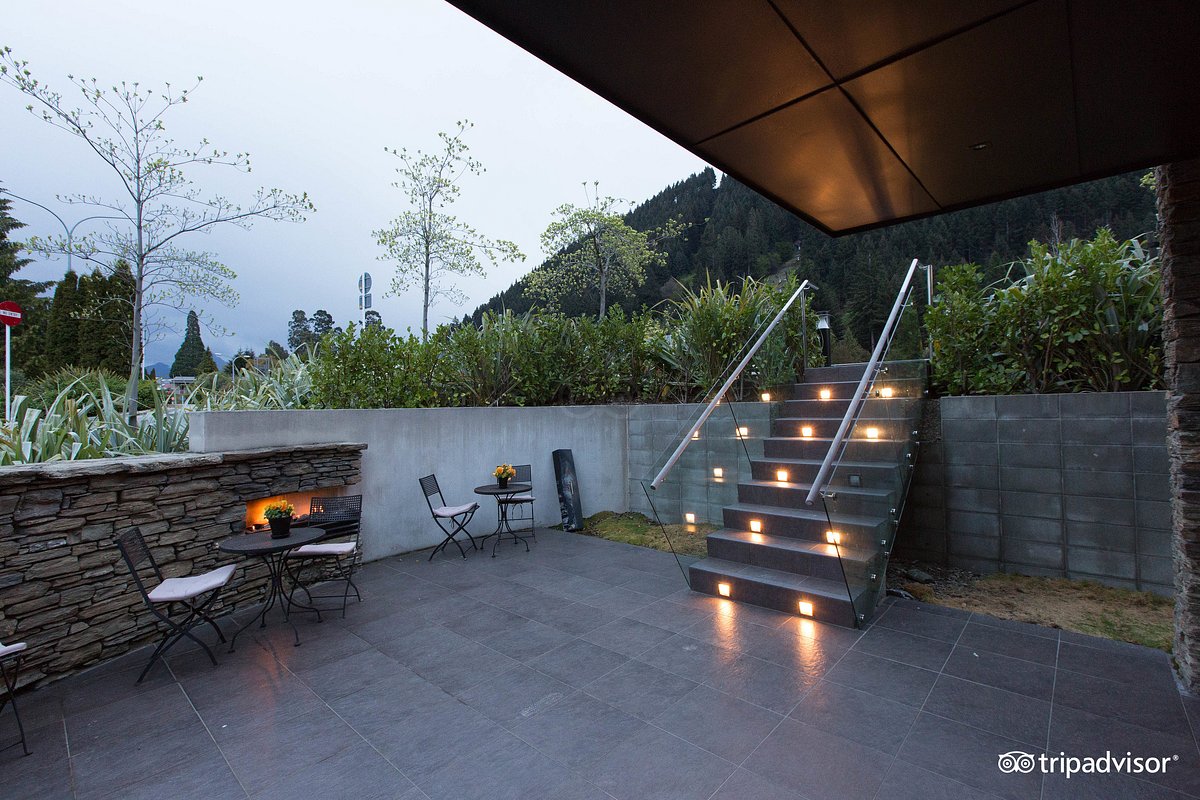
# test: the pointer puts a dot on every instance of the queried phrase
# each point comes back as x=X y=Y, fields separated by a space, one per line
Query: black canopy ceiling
x=859 y=113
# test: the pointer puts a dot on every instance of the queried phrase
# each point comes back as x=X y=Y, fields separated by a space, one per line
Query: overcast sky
x=314 y=91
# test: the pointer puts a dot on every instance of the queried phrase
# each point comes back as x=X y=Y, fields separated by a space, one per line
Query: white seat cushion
x=9 y=649
x=519 y=498
x=173 y=590
x=454 y=511
x=330 y=549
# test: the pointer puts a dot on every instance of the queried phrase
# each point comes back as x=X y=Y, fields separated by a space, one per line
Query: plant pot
x=502 y=483
x=281 y=527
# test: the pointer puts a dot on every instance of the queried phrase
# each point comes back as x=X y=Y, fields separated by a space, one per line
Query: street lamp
x=68 y=229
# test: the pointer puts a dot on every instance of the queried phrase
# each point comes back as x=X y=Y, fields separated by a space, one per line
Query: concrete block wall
x=655 y=431
x=1070 y=485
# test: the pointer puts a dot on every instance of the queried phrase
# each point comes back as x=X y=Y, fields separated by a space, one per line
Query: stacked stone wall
x=63 y=586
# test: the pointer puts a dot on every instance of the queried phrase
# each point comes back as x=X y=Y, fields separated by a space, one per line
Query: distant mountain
x=163 y=370
x=736 y=232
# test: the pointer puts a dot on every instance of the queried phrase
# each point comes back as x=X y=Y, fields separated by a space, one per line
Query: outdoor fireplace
x=301 y=501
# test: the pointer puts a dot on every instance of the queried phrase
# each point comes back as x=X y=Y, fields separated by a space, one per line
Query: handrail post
x=803 y=336
x=737 y=371
x=868 y=375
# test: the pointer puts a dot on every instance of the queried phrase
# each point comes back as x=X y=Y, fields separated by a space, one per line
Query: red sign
x=10 y=313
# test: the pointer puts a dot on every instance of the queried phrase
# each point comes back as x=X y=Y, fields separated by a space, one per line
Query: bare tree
x=158 y=205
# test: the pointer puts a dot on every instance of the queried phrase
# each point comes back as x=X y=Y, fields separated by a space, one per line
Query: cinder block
x=967 y=523
x=1148 y=430
x=1154 y=543
x=1096 y=430
x=1027 y=406
x=1098 y=509
x=1150 y=486
x=1151 y=459
x=1029 y=431
x=1148 y=404
x=975 y=546
x=1037 y=572
x=968 y=408
x=983 y=566
x=1028 y=504
x=1116 y=538
x=979 y=500
x=926 y=496
x=1154 y=514
x=1034 y=554
x=1094 y=404
x=923 y=520
x=1099 y=457
x=1105 y=563
x=973 y=476
x=969 y=453
x=1033 y=529
x=1030 y=455
x=1047 y=480
x=969 y=430
x=1160 y=571
x=1106 y=580
x=930 y=453
x=1088 y=483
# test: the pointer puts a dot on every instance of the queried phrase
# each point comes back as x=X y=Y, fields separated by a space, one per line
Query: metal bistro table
x=502 y=526
x=273 y=552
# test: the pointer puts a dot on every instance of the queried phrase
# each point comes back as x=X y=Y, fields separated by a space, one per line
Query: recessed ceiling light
x=980 y=146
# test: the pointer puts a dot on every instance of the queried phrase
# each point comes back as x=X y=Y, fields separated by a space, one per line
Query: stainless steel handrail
x=687 y=438
x=864 y=383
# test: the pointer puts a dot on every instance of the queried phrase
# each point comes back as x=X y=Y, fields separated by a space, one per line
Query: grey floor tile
x=654 y=765
x=1010 y=643
x=205 y=778
x=627 y=636
x=138 y=719
x=262 y=757
x=319 y=645
x=484 y=623
x=1002 y=672
x=783 y=647
x=574 y=618
x=743 y=784
x=695 y=660
x=516 y=695
x=909 y=782
x=359 y=772
x=818 y=765
x=41 y=775
x=619 y=599
x=503 y=768
x=1124 y=664
x=1147 y=705
x=719 y=723
x=895 y=645
x=108 y=770
x=527 y=639
x=1027 y=628
x=445 y=732
x=579 y=731
x=968 y=755
x=923 y=622
x=1007 y=714
x=890 y=680
x=669 y=615
x=578 y=662
x=861 y=717
x=1105 y=787
x=640 y=689
x=764 y=684
x=348 y=675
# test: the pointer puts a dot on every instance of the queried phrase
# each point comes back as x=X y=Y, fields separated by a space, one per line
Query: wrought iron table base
x=503 y=529
x=276 y=594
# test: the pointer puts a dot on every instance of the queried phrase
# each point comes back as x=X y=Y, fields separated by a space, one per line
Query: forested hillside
x=735 y=232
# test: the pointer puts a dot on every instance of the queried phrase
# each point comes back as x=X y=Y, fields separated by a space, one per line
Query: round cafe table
x=502 y=527
x=272 y=552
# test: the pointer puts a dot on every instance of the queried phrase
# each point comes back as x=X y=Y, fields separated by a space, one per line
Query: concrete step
x=844 y=390
x=871 y=474
x=810 y=428
x=838 y=372
x=875 y=450
x=826 y=600
x=808 y=523
x=816 y=559
x=862 y=502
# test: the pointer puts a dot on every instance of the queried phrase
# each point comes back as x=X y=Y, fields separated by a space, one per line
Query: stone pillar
x=1179 y=222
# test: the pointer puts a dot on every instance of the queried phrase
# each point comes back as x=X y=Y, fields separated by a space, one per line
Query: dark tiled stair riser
x=772 y=550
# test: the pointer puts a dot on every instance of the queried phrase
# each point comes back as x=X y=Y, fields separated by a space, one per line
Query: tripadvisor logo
x=1016 y=761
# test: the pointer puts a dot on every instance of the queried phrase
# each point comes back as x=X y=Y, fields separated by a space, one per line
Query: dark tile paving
x=585 y=670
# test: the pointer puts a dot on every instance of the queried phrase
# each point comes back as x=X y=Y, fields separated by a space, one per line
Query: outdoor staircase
x=772 y=550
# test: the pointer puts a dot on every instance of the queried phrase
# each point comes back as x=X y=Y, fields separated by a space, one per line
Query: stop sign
x=10 y=313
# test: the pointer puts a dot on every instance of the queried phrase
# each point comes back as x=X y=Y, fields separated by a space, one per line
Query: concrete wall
x=460 y=445
x=655 y=431
x=1068 y=485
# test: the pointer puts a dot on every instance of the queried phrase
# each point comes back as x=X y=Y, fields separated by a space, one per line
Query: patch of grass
x=640 y=530
x=1083 y=606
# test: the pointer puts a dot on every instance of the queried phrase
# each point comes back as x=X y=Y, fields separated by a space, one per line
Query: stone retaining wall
x=63 y=586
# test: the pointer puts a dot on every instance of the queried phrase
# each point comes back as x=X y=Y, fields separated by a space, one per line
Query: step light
x=781 y=475
x=833 y=537
x=723 y=589
x=695 y=435
x=718 y=472
x=806 y=431
x=825 y=394
x=766 y=397
x=757 y=538
x=806 y=608
x=872 y=433
x=886 y=392
x=756 y=525
x=689 y=518
x=743 y=432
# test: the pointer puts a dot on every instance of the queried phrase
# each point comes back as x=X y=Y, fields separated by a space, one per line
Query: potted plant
x=279 y=516
x=503 y=474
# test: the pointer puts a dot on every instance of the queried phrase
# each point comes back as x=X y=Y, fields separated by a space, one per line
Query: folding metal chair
x=522 y=502
x=340 y=517
x=194 y=594
x=10 y=668
x=444 y=515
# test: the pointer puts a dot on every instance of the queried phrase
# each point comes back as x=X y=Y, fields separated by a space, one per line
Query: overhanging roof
x=859 y=113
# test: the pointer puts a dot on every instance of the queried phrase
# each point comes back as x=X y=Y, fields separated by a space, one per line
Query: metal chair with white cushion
x=193 y=594
x=10 y=668
x=340 y=517
x=444 y=515
x=521 y=503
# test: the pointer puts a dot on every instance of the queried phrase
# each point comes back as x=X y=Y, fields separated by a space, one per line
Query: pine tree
x=106 y=319
x=207 y=364
x=62 y=328
x=191 y=352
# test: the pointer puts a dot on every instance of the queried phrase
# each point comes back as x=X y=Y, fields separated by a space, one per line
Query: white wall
x=461 y=445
